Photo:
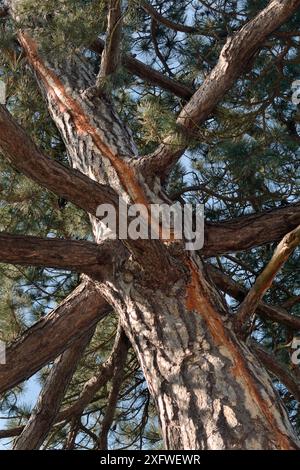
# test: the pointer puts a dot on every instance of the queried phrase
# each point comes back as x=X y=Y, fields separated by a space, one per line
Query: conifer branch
x=239 y=292
x=277 y=369
x=53 y=334
x=148 y=74
x=104 y=374
x=81 y=256
x=49 y=401
x=68 y=183
x=264 y=280
x=236 y=53
x=167 y=22
x=159 y=55
x=245 y=232
x=111 y=54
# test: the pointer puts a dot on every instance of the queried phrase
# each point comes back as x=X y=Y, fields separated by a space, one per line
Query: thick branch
x=111 y=54
x=249 y=231
x=51 y=396
x=165 y=21
x=113 y=397
x=90 y=388
x=148 y=74
x=3 y=12
x=11 y=432
x=80 y=256
x=239 y=292
x=104 y=374
x=238 y=51
x=51 y=335
x=264 y=280
x=68 y=183
x=279 y=370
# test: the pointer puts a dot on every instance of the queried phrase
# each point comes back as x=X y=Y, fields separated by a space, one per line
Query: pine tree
x=138 y=344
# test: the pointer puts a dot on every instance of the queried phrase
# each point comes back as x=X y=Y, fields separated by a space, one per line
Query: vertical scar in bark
x=196 y=300
x=56 y=89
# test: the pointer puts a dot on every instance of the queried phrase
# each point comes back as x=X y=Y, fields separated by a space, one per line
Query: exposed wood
x=180 y=329
x=99 y=145
x=264 y=280
x=72 y=184
x=68 y=183
x=189 y=324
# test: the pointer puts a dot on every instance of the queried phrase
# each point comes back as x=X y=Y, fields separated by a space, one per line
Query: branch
x=239 y=292
x=238 y=51
x=70 y=440
x=264 y=280
x=68 y=183
x=249 y=231
x=113 y=397
x=160 y=56
x=166 y=22
x=90 y=388
x=3 y=12
x=113 y=143
x=104 y=374
x=51 y=396
x=80 y=256
x=287 y=34
x=11 y=432
x=147 y=73
x=51 y=335
x=111 y=55
x=278 y=369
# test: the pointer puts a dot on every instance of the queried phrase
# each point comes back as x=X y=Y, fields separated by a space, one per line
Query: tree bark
x=236 y=54
x=209 y=389
x=239 y=292
x=249 y=231
x=50 y=336
x=81 y=256
x=51 y=396
x=103 y=375
x=264 y=280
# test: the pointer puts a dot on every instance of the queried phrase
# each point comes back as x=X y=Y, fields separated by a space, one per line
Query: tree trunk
x=210 y=391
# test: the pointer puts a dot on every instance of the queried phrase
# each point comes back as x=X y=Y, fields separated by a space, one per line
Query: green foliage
x=63 y=27
x=156 y=120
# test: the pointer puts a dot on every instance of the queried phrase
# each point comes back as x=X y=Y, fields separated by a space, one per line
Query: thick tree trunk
x=210 y=391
